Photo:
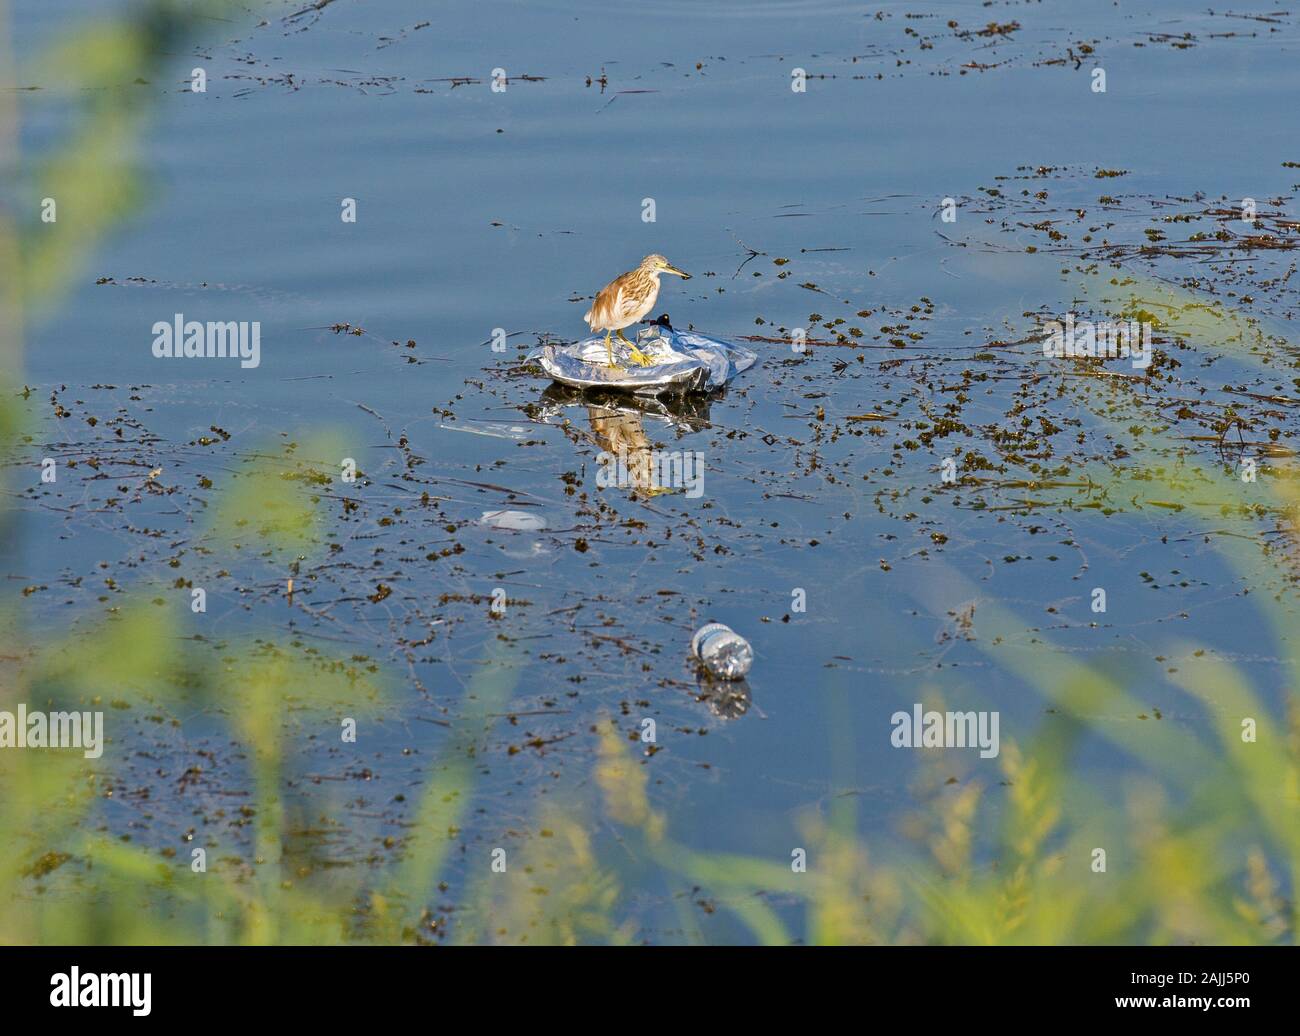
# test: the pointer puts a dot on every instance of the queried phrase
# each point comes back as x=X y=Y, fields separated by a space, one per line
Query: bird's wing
x=621 y=303
x=615 y=304
x=602 y=309
x=627 y=304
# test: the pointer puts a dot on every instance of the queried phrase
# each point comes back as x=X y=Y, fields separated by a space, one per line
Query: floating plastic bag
x=684 y=362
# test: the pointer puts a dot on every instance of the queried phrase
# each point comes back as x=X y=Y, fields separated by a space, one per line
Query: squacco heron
x=626 y=299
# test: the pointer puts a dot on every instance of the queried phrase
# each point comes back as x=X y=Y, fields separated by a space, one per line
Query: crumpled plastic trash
x=492 y=429
x=515 y=521
x=685 y=361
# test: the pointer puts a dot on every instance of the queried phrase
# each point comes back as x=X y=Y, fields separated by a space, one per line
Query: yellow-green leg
x=610 y=349
x=637 y=355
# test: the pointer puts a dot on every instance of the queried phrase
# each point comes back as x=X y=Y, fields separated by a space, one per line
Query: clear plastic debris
x=722 y=651
x=685 y=361
x=492 y=429
x=516 y=521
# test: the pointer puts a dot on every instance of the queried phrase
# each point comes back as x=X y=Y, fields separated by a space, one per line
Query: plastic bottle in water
x=722 y=651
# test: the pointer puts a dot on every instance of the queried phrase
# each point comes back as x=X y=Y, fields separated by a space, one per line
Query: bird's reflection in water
x=618 y=428
x=629 y=454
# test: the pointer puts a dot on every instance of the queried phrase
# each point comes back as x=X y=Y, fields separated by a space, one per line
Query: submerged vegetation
x=228 y=808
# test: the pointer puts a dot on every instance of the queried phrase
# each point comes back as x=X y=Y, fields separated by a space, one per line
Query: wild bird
x=626 y=299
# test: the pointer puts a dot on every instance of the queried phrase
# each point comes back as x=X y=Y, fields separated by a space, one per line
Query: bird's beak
x=680 y=273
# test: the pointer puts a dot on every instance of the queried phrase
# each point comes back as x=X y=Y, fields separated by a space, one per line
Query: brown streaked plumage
x=626 y=299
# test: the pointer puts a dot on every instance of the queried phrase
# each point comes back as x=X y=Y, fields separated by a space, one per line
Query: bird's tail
x=587 y=317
